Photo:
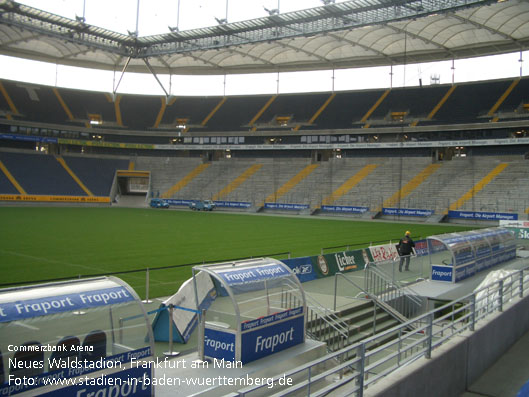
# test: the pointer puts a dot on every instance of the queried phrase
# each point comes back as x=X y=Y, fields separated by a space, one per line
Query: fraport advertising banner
x=340 y=262
x=483 y=216
x=219 y=344
x=344 y=209
x=225 y=204
x=19 y=310
x=259 y=338
x=233 y=204
x=442 y=273
x=253 y=274
x=407 y=212
x=114 y=367
x=286 y=206
x=463 y=272
x=178 y=202
x=276 y=317
x=273 y=338
x=26 y=138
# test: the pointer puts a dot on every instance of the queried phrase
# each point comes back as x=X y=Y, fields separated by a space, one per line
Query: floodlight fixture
x=271 y=12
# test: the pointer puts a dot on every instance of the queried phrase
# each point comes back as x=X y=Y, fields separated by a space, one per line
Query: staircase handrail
x=397 y=285
x=328 y=316
x=387 y=308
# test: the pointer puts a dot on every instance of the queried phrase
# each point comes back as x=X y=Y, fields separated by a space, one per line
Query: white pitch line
x=26 y=326
x=49 y=260
x=65 y=263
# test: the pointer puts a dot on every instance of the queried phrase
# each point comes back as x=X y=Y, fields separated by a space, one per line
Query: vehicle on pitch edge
x=202 y=205
x=158 y=203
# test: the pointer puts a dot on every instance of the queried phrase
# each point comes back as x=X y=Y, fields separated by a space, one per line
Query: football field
x=44 y=243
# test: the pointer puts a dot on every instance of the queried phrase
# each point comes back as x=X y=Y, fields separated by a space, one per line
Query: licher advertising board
x=340 y=262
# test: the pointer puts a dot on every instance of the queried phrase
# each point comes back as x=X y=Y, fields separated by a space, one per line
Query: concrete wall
x=460 y=362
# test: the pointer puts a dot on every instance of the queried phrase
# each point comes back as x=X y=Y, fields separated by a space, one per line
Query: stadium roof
x=357 y=33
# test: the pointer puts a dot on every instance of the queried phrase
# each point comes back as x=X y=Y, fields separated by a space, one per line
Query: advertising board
x=483 y=216
x=519 y=228
x=421 y=247
x=344 y=209
x=385 y=252
x=442 y=273
x=286 y=206
x=219 y=344
x=12 y=311
x=178 y=202
x=233 y=204
x=302 y=268
x=53 y=199
x=407 y=212
x=340 y=262
x=253 y=275
x=273 y=338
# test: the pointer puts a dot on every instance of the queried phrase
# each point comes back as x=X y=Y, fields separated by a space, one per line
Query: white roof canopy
x=350 y=34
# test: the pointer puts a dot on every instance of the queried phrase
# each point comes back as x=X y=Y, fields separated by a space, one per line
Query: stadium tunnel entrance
x=131 y=188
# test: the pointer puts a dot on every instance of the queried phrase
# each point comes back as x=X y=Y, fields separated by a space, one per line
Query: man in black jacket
x=405 y=248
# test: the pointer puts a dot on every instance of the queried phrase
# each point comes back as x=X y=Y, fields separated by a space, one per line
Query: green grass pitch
x=41 y=243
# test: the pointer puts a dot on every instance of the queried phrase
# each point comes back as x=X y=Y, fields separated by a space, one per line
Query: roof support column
x=155 y=76
x=120 y=78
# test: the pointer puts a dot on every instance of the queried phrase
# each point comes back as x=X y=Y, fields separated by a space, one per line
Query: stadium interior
x=439 y=148
x=432 y=153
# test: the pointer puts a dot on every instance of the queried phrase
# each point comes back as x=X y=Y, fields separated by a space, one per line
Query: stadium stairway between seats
x=477 y=187
x=289 y=185
x=349 y=184
x=184 y=181
x=237 y=181
x=394 y=200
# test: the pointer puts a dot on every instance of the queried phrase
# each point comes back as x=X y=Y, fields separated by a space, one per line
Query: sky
x=155 y=17
x=120 y=15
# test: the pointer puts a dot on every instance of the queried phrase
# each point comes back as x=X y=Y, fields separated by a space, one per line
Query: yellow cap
x=408 y=232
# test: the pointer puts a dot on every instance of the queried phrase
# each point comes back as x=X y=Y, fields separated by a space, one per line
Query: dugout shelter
x=457 y=256
x=94 y=330
x=263 y=310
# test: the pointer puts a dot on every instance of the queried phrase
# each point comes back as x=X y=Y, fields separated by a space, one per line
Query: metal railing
x=349 y=246
x=370 y=360
x=377 y=302
x=386 y=288
x=322 y=324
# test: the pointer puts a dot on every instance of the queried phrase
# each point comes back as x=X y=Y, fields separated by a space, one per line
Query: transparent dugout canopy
x=249 y=290
x=455 y=249
x=90 y=319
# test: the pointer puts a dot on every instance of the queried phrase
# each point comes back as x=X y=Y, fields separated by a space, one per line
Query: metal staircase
x=368 y=315
x=391 y=293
